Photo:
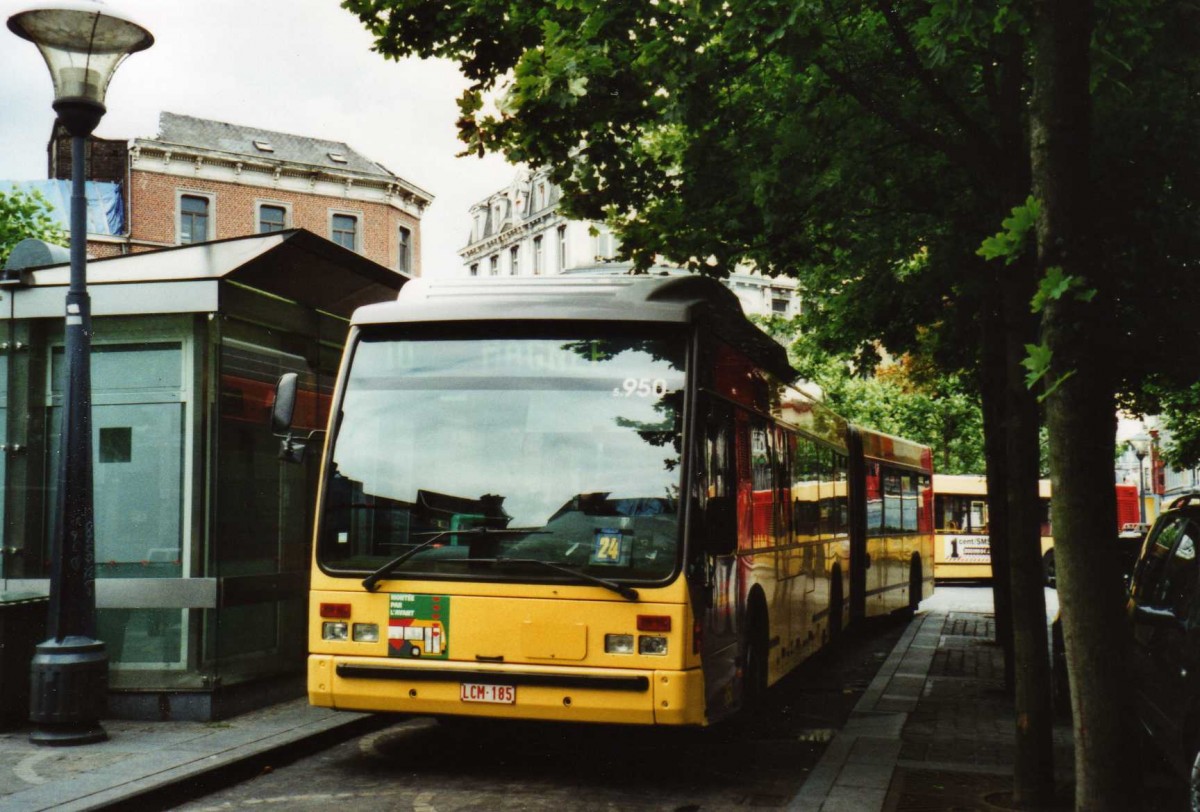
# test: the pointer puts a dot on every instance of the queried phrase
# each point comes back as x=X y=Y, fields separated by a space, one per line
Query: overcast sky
x=295 y=66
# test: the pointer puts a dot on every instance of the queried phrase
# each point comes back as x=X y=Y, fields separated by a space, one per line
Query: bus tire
x=835 y=604
x=1049 y=570
x=915 y=582
x=754 y=668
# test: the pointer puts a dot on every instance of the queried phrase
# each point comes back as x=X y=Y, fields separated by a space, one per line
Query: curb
x=164 y=787
x=856 y=769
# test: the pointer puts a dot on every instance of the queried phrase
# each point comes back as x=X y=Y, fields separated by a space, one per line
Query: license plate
x=496 y=694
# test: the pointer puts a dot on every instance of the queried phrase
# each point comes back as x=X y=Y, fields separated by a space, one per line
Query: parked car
x=1164 y=609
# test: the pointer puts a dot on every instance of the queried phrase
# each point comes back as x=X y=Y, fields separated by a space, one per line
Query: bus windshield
x=488 y=457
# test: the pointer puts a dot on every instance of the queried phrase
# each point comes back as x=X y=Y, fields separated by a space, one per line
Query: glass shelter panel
x=262 y=520
x=3 y=457
x=138 y=404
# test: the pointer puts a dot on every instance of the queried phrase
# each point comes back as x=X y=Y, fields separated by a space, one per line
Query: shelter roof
x=294 y=264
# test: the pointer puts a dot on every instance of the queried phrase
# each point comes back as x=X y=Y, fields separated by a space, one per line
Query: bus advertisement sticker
x=611 y=548
x=968 y=548
x=419 y=626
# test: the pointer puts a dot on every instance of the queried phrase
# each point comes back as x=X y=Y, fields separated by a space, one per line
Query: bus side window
x=874 y=500
x=762 y=476
x=717 y=497
x=805 y=490
x=841 y=477
x=827 y=492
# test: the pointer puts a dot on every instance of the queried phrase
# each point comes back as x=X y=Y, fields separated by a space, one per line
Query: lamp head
x=83 y=42
x=1140 y=445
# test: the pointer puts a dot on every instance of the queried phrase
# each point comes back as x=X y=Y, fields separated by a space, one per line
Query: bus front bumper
x=575 y=694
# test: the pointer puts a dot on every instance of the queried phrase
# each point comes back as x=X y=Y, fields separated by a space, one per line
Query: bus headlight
x=652 y=645
x=366 y=632
x=334 y=630
x=618 y=644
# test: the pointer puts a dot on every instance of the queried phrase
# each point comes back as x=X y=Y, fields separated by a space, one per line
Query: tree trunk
x=1033 y=772
x=993 y=376
x=1080 y=411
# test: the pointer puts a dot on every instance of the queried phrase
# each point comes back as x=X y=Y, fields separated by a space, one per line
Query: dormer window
x=264 y=146
x=337 y=157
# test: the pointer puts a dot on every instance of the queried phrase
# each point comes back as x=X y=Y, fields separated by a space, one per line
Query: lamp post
x=83 y=42
x=1140 y=445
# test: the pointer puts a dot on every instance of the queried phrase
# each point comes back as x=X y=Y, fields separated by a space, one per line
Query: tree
x=906 y=398
x=24 y=215
x=863 y=147
x=1181 y=413
x=866 y=148
x=1081 y=402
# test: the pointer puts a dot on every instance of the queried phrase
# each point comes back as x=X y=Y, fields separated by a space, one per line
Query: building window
x=474 y=269
x=405 y=265
x=343 y=230
x=606 y=245
x=193 y=219
x=538 y=264
x=779 y=305
x=494 y=265
x=514 y=260
x=271 y=218
x=562 y=249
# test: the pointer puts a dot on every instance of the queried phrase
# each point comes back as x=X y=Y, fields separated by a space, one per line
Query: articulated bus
x=592 y=499
x=963 y=548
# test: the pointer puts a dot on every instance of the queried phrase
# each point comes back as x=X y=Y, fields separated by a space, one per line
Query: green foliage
x=936 y=409
x=26 y=215
x=1055 y=284
x=1017 y=236
x=836 y=141
x=1180 y=411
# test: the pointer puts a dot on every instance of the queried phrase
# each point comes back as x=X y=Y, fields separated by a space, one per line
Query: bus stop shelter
x=202 y=533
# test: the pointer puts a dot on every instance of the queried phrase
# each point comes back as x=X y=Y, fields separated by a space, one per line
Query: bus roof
x=974 y=485
x=680 y=299
x=889 y=448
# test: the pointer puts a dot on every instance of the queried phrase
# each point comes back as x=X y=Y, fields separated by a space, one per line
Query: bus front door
x=716 y=593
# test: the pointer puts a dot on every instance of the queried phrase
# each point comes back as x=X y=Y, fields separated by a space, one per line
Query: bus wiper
x=626 y=592
x=369 y=583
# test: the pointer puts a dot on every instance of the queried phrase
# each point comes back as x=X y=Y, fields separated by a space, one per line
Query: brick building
x=199 y=180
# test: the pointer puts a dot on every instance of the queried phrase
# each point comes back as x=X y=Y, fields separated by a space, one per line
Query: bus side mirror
x=285 y=403
x=282 y=412
x=720 y=526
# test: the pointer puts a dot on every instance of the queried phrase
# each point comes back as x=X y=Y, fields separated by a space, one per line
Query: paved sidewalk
x=141 y=760
x=934 y=731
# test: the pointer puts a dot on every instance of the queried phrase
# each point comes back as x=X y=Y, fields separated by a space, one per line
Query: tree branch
x=918 y=71
x=970 y=159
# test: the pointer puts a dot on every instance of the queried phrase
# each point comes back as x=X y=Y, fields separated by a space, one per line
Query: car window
x=1158 y=548
x=1177 y=587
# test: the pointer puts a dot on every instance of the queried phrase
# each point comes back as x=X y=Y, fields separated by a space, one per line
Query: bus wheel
x=1048 y=569
x=754 y=673
x=835 y=605
x=915 y=578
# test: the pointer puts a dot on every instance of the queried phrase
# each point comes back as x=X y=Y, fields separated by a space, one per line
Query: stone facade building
x=519 y=231
x=199 y=180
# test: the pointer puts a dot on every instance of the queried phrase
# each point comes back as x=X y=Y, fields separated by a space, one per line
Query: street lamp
x=83 y=42
x=1140 y=445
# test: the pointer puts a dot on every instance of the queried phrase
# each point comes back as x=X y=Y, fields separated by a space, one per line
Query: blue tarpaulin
x=106 y=207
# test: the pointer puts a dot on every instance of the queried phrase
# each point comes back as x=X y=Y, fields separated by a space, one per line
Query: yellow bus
x=960 y=515
x=963 y=549
x=591 y=499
